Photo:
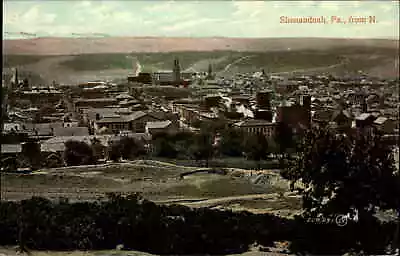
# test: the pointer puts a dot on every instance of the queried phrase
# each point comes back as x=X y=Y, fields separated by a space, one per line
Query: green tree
x=163 y=145
x=78 y=153
x=284 y=138
x=127 y=148
x=202 y=147
x=340 y=174
x=172 y=145
x=256 y=147
x=231 y=143
x=213 y=126
x=32 y=153
x=98 y=148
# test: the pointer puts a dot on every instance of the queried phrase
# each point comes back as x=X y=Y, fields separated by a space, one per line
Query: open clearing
x=160 y=182
x=12 y=252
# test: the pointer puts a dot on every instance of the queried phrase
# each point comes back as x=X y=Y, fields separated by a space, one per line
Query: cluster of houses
x=254 y=103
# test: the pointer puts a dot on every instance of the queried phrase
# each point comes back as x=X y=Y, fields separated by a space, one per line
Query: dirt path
x=343 y=62
x=220 y=201
x=227 y=67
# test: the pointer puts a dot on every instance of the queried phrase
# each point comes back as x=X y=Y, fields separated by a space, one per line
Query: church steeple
x=177 y=71
x=16 y=81
x=210 y=71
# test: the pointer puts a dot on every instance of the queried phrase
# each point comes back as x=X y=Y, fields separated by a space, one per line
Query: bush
x=142 y=225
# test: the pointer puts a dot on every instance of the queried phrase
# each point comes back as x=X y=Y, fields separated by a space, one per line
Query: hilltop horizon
x=203 y=37
x=87 y=45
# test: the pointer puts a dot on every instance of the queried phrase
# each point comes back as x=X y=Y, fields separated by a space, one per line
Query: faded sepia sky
x=195 y=18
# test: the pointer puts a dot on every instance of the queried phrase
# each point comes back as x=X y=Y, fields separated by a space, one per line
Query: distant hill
x=69 y=60
x=77 y=46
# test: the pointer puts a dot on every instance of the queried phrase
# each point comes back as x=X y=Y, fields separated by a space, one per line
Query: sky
x=185 y=18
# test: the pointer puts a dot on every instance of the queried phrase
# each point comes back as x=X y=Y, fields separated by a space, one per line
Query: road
x=195 y=203
x=70 y=106
x=311 y=69
x=227 y=67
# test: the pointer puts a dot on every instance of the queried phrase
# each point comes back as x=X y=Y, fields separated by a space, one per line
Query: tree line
x=211 y=141
x=215 y=140
x=138 y=224
x=337 y=174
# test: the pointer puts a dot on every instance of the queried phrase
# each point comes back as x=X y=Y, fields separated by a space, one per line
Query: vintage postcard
x=149 y=127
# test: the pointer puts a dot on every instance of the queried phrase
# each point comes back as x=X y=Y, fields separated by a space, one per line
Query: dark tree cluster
x=172 y=145
x=78 y=153
x=127 y=148
x=138 y=224
x=184 y=145
x=201 y=146
x=348 y=172
x=353 y=175
x=231 y=143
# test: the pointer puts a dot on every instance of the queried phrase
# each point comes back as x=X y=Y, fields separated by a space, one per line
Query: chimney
x=305 y=101
x=16 y=78
x=364 y=105
x=177 y=71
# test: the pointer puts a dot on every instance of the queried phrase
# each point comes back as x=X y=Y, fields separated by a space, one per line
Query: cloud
x=248 y=9
x=168 y=12
x=331 y=6
x=160 y=7
x=188 y=24
x=32 y=16
x=306 y=4
x=28 y=20
x=201 y=18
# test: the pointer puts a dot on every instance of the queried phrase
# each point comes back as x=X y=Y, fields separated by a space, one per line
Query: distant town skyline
x=247 y=19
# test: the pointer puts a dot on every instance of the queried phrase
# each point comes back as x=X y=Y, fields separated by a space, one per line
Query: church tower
x=176 y=71
x=16 y=81
x=210 y=74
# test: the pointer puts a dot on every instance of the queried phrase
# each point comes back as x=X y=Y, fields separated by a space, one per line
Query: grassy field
x=13 y=252
x=18 y=60
x=337 y=60
x=150 y=61
x=274 y=60
x=158 y=181
x=288 y=60
x=225 y=162
x=215 y=186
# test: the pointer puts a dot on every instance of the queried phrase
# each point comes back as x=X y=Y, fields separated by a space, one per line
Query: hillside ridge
x=76 y=46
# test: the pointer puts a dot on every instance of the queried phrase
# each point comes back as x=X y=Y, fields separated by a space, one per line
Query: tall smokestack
x=16 y=81
x=177 y=71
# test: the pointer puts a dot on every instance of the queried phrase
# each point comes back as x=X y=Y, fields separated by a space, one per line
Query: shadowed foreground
x=137 y=224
